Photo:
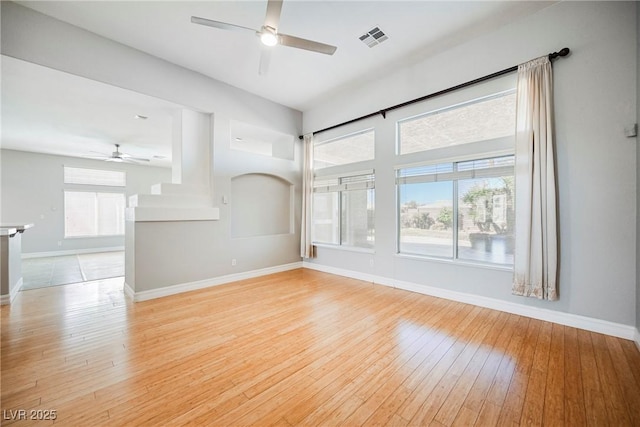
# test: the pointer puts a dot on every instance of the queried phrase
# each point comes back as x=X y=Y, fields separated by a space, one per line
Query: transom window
x=344 y=150
x=478 y=120
x=85 y=176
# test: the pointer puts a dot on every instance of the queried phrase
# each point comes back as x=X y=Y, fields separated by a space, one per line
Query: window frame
x=500 y=146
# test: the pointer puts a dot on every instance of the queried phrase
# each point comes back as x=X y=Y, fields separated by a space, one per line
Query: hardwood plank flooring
x=302 y=348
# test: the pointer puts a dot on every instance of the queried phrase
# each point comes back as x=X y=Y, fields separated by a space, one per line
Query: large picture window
x=90 y=209
x=92 y=214
x=343 y=211
x=458 y=210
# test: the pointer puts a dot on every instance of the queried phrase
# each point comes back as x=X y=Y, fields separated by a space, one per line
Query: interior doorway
x=67 y=269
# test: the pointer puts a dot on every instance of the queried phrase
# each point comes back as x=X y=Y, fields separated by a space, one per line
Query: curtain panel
x=307 y=250
x=536 y=245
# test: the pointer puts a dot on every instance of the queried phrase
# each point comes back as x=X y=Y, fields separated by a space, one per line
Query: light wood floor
x=304 y=348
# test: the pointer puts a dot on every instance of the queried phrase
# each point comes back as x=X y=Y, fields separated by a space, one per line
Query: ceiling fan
x=269 y=35
x=120 y=157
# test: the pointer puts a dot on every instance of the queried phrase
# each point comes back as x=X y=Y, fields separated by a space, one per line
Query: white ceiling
x=296 y=78
x=48 y=111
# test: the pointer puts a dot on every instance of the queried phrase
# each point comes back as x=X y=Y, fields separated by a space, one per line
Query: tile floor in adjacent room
x=63 y=270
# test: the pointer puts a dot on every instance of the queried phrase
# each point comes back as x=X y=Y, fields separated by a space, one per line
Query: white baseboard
x=72 y=252
x=636 y=338
x=8 y=299
x=567 y=319
x=129 y=292
x=206 y=283
x=342 y=272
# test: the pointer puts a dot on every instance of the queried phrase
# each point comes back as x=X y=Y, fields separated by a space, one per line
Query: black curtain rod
x=563 y=52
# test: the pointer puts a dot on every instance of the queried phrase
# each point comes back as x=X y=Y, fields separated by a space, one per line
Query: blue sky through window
x=426 y=193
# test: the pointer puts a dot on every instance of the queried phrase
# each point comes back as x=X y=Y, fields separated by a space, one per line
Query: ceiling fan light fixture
x=268 y=36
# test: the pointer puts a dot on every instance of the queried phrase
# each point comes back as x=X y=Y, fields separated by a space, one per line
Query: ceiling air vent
x=373 y=37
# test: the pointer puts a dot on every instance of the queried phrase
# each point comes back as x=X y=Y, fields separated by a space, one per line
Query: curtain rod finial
x=563 y=52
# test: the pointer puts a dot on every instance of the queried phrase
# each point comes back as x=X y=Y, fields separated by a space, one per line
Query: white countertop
x=5 y=231
x=16 y=227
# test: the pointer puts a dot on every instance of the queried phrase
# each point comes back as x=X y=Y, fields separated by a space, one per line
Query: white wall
x=201 y=250
x=595 y=98
x=32 y=192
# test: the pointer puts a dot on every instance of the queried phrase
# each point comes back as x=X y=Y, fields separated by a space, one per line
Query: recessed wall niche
x=261 y=205
x=262 y=141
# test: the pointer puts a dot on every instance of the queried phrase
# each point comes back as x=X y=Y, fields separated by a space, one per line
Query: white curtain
x=536 y=247
x=306 y=245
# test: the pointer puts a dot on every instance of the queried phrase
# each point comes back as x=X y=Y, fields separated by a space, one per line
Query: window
x=353 y=148
x=458 y=210
x=89 y=214
x=451 y=207
x=343 y=210
x=94 y=177
x=479 y=120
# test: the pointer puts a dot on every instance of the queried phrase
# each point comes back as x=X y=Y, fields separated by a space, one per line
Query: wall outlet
x=233 y=262
x=59 y=243
x=371 y=262
x=631 y=130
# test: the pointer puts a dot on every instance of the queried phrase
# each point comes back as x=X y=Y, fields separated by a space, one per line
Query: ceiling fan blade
x=130 y=161
x=220 y=25
x=125 y=156
x=272 y=19
x=265 y=59
x=297 y=42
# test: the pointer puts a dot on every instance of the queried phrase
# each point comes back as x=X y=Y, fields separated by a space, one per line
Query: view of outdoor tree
x=445 y=217
x=480 y=200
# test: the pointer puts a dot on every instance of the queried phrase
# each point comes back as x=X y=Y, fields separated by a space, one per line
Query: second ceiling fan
x=269 y=34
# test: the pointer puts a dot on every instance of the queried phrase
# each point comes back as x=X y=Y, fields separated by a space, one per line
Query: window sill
x=459 y=262
x=345 y=248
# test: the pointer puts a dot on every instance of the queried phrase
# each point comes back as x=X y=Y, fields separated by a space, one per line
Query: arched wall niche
x=261 y=205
